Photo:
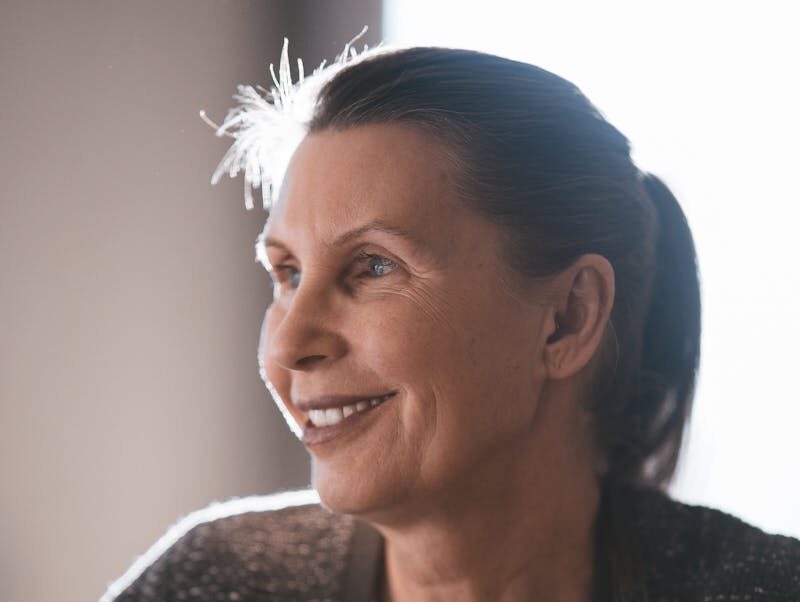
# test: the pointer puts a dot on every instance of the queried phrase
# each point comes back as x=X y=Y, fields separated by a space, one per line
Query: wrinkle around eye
x=433 y=304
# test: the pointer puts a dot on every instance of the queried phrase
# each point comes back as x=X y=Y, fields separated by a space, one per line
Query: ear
x=582 y=305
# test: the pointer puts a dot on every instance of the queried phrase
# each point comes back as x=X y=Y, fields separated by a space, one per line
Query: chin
x=346 y=492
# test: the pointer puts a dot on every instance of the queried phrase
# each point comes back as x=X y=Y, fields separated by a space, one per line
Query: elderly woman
x=485 y=331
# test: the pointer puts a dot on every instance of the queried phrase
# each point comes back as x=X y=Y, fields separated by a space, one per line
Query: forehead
x=338 y=180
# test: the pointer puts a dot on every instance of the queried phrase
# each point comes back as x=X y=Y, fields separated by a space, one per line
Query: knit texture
x=301 y=553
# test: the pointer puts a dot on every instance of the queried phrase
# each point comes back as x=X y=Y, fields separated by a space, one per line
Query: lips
x=334 y=415
x=331 y=416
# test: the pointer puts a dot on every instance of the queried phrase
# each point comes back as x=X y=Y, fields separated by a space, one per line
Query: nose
x=299 y=335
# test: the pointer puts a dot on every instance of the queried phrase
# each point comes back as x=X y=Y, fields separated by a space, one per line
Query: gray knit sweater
x=287 y=548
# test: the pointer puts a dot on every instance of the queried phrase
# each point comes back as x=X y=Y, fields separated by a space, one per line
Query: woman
x=485 y=330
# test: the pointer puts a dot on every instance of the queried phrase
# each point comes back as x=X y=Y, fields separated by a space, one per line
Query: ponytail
x=659 y=401
x=642 y=415
x=671 y=335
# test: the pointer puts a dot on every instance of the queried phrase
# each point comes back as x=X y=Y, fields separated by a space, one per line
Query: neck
x=521 y=527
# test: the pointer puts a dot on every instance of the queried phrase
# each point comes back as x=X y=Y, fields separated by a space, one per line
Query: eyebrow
x=372 y=226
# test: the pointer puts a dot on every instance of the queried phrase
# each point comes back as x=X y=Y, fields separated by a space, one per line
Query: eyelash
x=279 y=271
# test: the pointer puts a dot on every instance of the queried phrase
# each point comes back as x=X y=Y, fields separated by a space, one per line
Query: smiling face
x=388 y=285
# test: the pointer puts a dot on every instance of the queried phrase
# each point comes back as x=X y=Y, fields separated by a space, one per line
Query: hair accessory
x=267 y=125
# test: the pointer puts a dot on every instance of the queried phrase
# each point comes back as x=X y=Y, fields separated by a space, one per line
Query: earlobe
x=580 y=316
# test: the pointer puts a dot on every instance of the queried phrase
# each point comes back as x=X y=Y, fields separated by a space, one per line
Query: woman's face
x=388 y=285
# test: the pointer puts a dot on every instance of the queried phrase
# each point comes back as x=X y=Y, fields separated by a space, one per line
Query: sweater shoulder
x=699 y=549
x=278 y=547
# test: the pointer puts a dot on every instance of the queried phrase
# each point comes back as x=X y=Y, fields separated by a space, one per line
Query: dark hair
x=534 y=155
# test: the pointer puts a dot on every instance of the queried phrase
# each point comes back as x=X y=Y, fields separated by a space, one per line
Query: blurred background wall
x=130 y=302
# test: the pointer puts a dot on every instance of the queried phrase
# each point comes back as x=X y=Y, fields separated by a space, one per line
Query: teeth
x=333 y=416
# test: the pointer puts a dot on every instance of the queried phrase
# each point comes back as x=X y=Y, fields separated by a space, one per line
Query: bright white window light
x=708 y=94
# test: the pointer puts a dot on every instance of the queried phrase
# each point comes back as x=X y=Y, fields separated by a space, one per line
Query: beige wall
x=130 y=301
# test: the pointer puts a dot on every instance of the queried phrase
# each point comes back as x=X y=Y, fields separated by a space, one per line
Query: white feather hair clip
x=267 y=125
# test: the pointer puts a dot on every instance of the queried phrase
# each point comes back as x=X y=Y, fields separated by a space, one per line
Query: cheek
x=449 y=340
x=273 y=375
x=265 y=337
x=431 y=350
x=403 y=339
x=477 y=356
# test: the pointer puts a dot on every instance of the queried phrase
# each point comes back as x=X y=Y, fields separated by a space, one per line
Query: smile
x=332 y=416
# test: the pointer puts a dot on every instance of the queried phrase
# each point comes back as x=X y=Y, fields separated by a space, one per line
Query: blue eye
x=376 y=266
x=286 y=275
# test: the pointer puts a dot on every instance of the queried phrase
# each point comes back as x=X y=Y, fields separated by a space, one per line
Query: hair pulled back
x=534 y=155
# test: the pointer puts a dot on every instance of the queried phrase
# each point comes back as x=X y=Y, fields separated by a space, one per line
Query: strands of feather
x=266 y=126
